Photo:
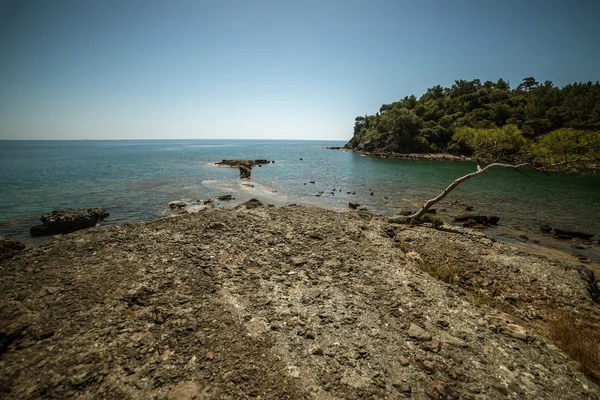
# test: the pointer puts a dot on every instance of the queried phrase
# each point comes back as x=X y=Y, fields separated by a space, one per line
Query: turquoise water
x=135 y=180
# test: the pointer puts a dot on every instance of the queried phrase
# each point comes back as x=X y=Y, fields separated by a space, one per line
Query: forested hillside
x=428 y=124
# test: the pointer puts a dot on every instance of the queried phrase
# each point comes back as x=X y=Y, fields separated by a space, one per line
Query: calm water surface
x=134 y=181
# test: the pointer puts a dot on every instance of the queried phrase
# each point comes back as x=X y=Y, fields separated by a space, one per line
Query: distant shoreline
x=413 y=156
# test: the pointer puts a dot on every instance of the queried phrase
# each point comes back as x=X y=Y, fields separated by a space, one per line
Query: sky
x=266 y=69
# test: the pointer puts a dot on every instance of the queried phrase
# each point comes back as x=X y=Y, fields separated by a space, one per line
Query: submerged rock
x=9 y=247
x=564 y=234
x=67 y=221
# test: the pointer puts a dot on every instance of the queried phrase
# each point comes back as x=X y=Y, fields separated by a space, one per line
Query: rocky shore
x=293 y=302
x=412 y=156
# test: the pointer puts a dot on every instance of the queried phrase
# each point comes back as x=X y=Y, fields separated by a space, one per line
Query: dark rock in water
x=572 y=234
x=9 y=247
x=333 y=148
x=493 y=220
x=245 y=171
x=177 y=204
x=67 y=221
x=469 y=208
x=242 y=163
x=353 y=206
x=39 y=230
x=546 y=228
x=225 y=197
x=252 y=203
x=470 y=219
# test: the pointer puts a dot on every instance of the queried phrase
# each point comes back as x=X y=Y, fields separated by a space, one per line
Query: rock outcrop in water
x=67 y=221
x=245 y=166
x=243 y=163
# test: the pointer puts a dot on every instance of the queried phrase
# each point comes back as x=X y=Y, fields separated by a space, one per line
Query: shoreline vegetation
x=294 y=301
x=429 y=124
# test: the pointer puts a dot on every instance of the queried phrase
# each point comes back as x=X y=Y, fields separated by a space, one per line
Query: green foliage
x=436 y=220
x=429 y=124
x=577 y=150
x=496 y=143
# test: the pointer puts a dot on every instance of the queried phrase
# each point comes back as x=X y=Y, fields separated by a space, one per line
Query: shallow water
x=134 y=181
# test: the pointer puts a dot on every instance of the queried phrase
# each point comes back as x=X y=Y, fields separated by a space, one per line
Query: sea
x=135 y=180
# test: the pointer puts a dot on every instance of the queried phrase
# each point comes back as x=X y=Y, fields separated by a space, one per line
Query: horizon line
x=98 y=140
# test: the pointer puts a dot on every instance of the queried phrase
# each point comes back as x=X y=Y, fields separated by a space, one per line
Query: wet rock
x=418 y=333
x=242 y=163
x=69 y=220
x=572 y=234
x=353 y=206
x=177 y=204
x=546 y=228
x=245 y=171
x=473 y=219
x=252 y=203
x=9 y=247
x=226 y=197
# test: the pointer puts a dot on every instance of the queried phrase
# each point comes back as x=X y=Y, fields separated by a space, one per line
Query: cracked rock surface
x=276 y=303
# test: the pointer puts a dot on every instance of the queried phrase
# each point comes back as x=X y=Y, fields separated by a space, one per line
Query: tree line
x=432 y=123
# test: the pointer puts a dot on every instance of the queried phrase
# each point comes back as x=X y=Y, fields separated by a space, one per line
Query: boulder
x=9 y=247
x=353 y=206
x=67 y=221
x=225 y=197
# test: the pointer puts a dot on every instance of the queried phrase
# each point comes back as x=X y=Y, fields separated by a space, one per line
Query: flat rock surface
x=283 y=303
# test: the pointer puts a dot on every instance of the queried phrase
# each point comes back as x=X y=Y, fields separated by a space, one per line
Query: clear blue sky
x=104 y=69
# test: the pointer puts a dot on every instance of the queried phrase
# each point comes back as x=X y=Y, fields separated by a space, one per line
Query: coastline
x=293 y=301
x=411 y=156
